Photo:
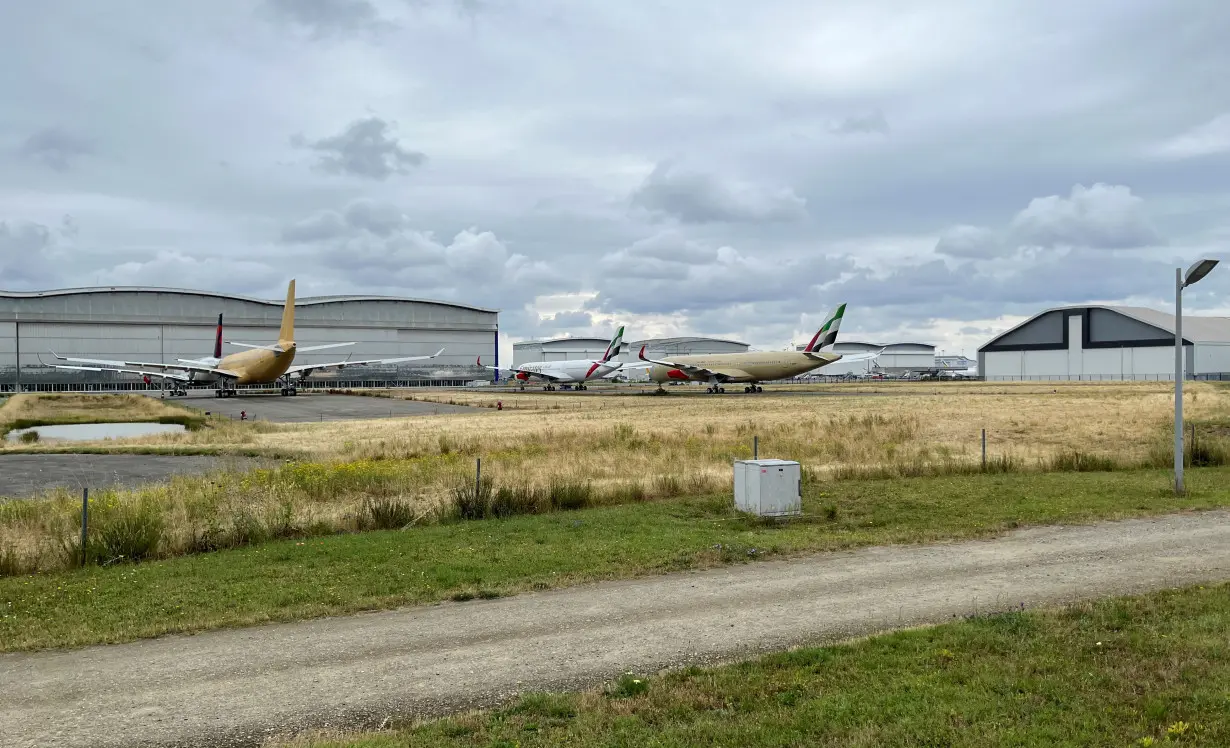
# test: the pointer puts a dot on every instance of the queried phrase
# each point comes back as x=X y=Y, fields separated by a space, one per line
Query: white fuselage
x=573 y=370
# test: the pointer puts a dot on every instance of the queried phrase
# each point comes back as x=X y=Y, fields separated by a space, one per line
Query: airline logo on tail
x=612 y=350
x=827 y=335
x=617 y=342
x=218 y=340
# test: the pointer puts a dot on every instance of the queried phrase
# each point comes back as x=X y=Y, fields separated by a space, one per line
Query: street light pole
x=1178 y=381
x=1194 y=273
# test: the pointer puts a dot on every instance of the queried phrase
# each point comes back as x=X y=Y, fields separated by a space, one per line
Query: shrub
x=387 y=513
x=29 y=437
x=508 y=502
x=569 y=495
x=128 y=532
x=1081 y=462
x=472 y=499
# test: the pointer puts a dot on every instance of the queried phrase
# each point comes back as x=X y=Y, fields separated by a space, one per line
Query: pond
x=80 y=432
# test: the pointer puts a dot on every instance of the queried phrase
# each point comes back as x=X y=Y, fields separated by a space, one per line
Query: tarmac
x=23 y=475
x=305 y=408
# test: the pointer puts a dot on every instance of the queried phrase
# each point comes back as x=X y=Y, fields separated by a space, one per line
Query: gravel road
x=238 y=687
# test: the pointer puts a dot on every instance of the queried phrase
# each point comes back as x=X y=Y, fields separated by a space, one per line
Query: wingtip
x=641 y=354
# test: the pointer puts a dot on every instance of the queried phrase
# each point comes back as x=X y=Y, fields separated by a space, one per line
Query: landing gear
x=289 y=391
x=581 y=387
x=716 y=390
x=548 y=388
x=753 y=388
x=225 y=392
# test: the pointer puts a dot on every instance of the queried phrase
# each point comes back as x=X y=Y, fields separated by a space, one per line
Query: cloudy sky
x=714 y=167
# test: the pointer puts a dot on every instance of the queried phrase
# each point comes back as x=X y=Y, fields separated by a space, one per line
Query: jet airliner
x=260 y=364
x=754 y=367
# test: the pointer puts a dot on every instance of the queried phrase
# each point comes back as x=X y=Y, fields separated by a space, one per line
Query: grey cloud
x=970 y=242
x=568 y=320
x=365 y=149
x=325 y=18
x=364 y=214
x=873 y=122
x=654 y=286
x=380 y=218
x=55 y=148
x=1102 y=216
x=696 y=197
x=328 y=224
x=31 y=254
x=1206 y=139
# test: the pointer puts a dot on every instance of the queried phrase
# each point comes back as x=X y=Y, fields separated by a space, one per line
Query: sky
x=707 y=167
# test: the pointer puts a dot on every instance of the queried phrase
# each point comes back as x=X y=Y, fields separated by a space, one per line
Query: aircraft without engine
x=259 y=364
x=571 y=372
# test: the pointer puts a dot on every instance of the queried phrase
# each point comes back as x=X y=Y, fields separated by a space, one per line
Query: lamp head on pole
x=1198 y=270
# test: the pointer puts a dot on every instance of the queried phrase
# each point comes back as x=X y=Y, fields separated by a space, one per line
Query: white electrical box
x=769 y=488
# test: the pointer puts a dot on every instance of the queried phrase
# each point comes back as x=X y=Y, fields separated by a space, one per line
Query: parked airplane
x=575 y=371
x=719 y=369
x=261 y=364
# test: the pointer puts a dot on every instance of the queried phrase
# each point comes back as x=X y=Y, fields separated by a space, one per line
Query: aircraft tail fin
x=826 y=336
x=286 y=335
x=218 y=339
x=617 y=343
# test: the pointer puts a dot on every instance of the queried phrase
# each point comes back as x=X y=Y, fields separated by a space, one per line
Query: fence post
x=85 y=521
x=478 y=477
x=755 y=447
x=984 y=450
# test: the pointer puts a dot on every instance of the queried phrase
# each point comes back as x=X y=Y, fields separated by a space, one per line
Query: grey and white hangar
x=565 y=348
x=1096 y=342
x=161 y=325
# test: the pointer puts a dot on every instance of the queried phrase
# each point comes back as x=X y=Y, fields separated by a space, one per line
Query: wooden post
x=755 y=447
x=984 y=449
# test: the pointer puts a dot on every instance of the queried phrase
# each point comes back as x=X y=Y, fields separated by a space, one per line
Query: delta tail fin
x=617 y=343
x=826 y=336
x=218 y=339
x=286 y=335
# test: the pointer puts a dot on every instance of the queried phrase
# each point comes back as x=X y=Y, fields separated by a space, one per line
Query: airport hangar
x=161 y=325
x=897 y=358
x=561 y=349
x=1095 y=342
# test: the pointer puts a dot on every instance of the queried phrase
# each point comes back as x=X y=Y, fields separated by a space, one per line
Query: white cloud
x=697 y=197
x=1208 y=139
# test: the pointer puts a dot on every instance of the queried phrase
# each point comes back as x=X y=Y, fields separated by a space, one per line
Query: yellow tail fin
x=286 y=336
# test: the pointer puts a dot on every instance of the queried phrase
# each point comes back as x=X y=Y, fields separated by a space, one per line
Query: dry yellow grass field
x=624 y=445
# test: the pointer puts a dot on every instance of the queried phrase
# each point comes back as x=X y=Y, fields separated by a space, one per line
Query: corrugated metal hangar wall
x=161 y=325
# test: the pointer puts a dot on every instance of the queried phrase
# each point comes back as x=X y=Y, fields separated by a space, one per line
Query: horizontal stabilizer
x=274 y=348
x=321 y=347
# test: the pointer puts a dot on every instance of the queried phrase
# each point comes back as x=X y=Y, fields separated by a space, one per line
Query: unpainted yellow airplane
x=261 y=364
x=753 y=367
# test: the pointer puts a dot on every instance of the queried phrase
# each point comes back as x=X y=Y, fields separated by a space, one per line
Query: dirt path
x=237 y=687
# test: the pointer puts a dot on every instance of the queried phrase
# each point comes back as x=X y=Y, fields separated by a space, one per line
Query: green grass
x=1150 y=670
x=289 y=580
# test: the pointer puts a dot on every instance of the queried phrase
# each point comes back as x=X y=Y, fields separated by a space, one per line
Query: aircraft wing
x=102 y=364
x=869 y=356
x=364 y=362
x=159 y=374
x=699 y=372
